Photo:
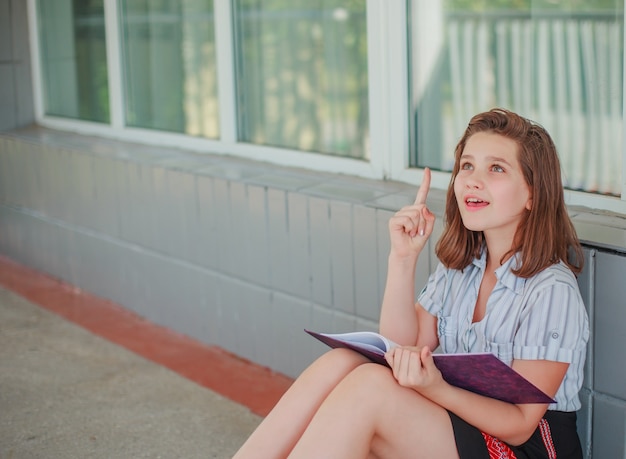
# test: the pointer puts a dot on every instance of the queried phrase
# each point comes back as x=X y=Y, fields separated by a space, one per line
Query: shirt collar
x=504 y=273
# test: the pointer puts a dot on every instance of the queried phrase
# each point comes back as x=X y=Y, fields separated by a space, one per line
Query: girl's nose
x=474 y=181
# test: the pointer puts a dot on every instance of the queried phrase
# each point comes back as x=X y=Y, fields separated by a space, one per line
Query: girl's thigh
x=408 y=425
x=370 y=409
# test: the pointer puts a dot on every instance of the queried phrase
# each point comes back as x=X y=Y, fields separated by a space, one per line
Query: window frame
x=388 y=67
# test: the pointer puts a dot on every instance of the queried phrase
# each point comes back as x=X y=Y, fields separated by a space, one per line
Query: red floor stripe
x=242 y=381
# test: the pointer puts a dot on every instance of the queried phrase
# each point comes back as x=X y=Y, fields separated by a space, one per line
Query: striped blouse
x=540 y=318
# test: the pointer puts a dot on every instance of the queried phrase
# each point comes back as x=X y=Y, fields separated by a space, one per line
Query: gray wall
x=245 y=255
x=16 y=92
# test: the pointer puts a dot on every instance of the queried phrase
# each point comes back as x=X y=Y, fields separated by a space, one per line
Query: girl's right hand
x=411 y=226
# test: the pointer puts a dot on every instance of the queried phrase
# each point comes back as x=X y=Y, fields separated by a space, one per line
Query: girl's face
x=490 y=189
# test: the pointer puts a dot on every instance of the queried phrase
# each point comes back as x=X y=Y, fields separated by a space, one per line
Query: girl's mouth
x=475 y=203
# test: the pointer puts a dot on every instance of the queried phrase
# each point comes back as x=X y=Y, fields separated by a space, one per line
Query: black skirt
x=556 y=436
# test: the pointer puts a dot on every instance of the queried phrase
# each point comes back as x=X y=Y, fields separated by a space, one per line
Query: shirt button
x=555 y=335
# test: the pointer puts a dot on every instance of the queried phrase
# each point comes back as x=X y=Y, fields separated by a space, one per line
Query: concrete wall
x=16 y=91
x=245 y=255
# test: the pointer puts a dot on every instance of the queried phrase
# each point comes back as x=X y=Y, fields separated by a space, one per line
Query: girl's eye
x=497 y=168
x=466 y=166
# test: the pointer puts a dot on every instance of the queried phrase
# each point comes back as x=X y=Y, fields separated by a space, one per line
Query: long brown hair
x=545 y=234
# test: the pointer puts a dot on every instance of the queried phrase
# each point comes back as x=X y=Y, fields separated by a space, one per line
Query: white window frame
x=388 y=69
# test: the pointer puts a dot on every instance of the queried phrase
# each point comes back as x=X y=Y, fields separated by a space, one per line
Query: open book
x=483 y=374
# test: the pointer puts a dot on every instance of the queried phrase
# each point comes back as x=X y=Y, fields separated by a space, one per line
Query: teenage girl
x=505 y=284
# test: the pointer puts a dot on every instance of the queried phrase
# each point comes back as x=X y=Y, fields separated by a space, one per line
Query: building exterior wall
x=246 y=255
x=16 y=90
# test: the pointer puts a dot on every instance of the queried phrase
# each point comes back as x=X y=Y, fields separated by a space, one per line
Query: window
x=377 y=89
x=73 y=59
x=559 y=63
x=301 y=73
x=170 y=76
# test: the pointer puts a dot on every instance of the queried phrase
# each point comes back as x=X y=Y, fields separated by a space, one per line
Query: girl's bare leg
x=370 y=415
x=283 y=426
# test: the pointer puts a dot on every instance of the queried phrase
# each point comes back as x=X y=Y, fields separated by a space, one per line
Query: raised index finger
x=422 y=193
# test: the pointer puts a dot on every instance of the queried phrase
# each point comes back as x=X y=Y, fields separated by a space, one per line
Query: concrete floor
x=68 y=392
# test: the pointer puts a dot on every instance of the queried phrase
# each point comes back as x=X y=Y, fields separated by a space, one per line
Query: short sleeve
x=432 y=295
x=554 y=325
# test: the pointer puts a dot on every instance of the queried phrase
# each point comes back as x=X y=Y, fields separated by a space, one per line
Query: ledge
x=596 y=228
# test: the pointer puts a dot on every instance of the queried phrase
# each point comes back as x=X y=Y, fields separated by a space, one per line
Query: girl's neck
x=497 y=248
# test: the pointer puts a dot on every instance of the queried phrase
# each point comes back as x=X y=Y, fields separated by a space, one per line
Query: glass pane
x=73 y=59
x=170 y=71
x=302 y=75
x=559 y=63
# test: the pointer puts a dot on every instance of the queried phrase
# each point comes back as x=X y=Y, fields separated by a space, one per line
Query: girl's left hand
x=414 y=368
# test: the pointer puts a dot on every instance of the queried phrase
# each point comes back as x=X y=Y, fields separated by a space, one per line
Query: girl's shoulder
x=554 y=275
x=555 y=272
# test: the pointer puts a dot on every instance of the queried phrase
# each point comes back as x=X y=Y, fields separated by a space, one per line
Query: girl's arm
x=398 y=320
x=511 y=423
x=409 y=230
x=404 y=322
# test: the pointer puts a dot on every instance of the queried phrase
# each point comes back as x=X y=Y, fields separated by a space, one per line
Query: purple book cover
x=483 y=374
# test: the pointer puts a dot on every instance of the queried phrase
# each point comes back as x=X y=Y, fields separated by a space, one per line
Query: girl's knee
x=342 y=359
x=366 y=387
x=377 y=383
x=373 y=375
x=332 y=367
x=370 y=378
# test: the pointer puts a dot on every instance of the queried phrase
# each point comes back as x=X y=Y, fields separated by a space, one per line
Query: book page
x=365 y=339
